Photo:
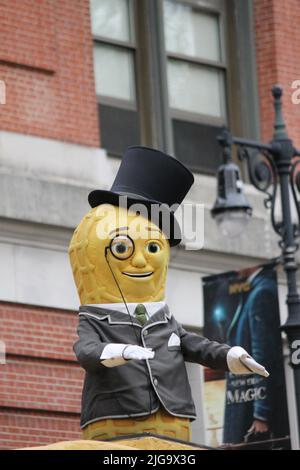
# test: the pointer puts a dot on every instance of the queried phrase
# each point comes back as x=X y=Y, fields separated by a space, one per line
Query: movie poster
x=241 y=309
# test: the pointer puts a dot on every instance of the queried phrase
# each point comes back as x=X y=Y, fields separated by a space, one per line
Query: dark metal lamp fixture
x=231 y=211
x=274 y=169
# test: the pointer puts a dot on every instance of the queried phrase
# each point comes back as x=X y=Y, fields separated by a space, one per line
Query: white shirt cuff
x=112 y=355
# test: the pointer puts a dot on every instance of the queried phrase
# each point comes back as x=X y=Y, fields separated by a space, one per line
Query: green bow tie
x=141 y=313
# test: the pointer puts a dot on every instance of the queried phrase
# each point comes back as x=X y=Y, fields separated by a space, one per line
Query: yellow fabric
x=160 y=422
x=144 y=443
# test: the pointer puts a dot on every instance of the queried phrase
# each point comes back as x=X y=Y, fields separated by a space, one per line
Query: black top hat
x=150 y=177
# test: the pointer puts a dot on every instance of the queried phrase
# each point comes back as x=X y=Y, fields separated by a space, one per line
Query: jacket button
x=155 y=382
x=145 y=333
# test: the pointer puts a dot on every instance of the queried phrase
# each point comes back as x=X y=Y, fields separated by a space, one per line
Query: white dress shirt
x=151 y=307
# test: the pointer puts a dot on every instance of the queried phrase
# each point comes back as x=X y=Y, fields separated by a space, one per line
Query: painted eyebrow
x=118 y=230
x=151 y=229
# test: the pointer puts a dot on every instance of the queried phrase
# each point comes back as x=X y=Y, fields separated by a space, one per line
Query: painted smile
x=137 y=274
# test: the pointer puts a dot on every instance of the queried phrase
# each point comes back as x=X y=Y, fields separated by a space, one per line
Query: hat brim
x=102 y=196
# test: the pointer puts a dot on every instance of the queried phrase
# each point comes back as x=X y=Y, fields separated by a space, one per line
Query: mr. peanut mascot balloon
x=130 y=345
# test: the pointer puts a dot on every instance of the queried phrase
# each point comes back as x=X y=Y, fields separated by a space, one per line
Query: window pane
x=119 y=129
x=111 y=19
x=114 y=72
x=196 y=88
x=191 y=32
x=196 y=145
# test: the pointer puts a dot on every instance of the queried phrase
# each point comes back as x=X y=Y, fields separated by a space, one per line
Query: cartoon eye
x=122 y=247
x=153 y=247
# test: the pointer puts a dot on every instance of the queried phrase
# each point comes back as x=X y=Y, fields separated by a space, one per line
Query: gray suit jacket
x=139 y=388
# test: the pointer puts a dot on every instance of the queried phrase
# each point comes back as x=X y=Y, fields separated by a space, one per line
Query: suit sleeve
x=196 y=348
x=89 y=347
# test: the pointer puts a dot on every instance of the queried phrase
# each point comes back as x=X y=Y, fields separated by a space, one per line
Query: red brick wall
x=47 y=64
x=278 y=52
x=22 y=428
x=40 y=386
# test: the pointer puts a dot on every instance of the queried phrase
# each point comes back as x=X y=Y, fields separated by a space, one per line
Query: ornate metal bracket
x=264 y=177
x=295 y=183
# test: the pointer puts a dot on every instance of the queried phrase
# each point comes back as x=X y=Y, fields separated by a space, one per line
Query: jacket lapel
x=161 y=316
x=114 y=317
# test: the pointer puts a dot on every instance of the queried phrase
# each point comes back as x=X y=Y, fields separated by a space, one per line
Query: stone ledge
x=47 y=202
x=54 y=160
x=47 y=181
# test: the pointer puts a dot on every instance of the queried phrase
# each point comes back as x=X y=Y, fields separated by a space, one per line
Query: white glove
x=116 y=354
x=131 y=351
x=240 y=362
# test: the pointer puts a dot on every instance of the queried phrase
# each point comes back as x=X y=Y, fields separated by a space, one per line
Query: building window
x=170 y=73
x=115 y=73
x=196 y=67
x=195 y=62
